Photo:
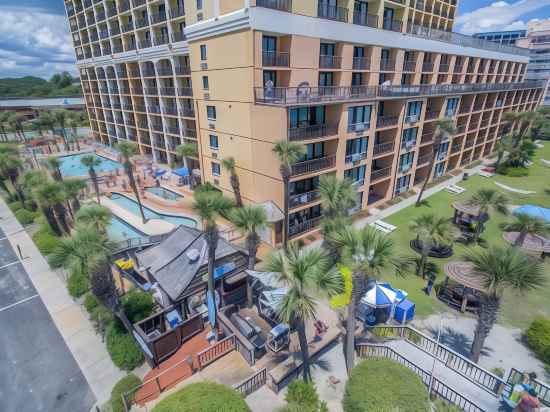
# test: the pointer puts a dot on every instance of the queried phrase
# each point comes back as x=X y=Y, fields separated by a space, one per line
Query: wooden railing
x=438 y=388
x=216 y=351
x=252 y=383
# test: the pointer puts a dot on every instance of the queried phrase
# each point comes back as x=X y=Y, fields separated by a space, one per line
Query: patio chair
x=485 y=174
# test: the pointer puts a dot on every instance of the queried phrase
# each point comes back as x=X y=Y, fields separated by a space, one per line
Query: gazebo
x=469 y=217
x=465 y=295
x=531 y=243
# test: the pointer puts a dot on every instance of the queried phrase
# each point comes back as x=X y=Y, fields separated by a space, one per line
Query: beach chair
x=383 y=226
x=486 y=174
x=454 y=189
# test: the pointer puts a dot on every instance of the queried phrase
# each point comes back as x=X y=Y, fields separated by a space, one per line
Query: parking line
x=17 y=303
x=10 y=264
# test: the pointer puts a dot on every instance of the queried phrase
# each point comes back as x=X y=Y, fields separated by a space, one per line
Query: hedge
x=203 y=397
x=123 y=386
x=77 y=285
x=45 y=241
x=382 y=384
x=538 y=338
x=90 y=302
x=25 y=217
x=122 y=348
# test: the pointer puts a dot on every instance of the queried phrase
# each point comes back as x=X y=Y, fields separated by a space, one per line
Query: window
x=304 y=186
x=205 y=82
x=326 y=79
x=359 y=118
x=402 y=184
x=356 y=174
x=409 y=138
x=216 y=169
x=439 y=169
x=270 y=78
x=203 y=51
x=211 y=112
x=413 y=111
x=314 y=151
x=358 y=51
x=452 y=104
x=306 y=116
x=406 y=161
x=199 y=4
x=388 y=18
x=327 y=49
x=356 y=79
x=356 y=148
x=442 y=151
x=425 y=79
x=214 y=144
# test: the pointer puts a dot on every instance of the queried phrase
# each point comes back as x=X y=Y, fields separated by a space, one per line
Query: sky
x=35 y=38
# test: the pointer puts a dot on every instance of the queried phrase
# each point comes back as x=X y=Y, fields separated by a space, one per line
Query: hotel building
x=359 y=83
x=509 y=37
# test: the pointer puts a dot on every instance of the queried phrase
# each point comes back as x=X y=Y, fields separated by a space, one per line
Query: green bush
x=303 y=394
x=137 y=305
x=123 y=386
x=45 y=241
x=77 y=285
x=101 y=318
x=90 y=302
x=440 y=405
x=203 y=397
x=15 y=206
x=517 y=172
x=498 y=371
x=392 y=387
x=538 y=338
x=24 y=217
x=122 y=348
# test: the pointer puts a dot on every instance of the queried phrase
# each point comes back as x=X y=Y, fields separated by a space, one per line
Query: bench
x=454 y=189
x=383 y=226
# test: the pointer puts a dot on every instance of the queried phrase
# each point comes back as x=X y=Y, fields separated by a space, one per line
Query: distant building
x=30 y=106
x=503 y=37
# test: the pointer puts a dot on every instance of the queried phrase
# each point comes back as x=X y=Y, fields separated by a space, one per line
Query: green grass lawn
x=517 y=310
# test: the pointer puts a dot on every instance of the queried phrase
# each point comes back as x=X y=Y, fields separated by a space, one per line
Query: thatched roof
x=532 y=243
x=464 y=273
x=469 y=208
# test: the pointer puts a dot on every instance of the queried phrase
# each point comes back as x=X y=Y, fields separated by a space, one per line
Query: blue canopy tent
x=181 y=172
x=378 y=304
x=534 y=211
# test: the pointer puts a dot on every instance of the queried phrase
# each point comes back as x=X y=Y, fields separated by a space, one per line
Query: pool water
x=119 y=230
x=72 y=166
x=164 y=193
x=133 y=207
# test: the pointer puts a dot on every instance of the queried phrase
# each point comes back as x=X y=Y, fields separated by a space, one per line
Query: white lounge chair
x=485 y=174
x=383 y=226
x=454 y=189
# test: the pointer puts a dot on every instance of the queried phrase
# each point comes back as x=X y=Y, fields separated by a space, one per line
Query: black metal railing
x=361 y=63
x=311 y=132
x=363 y=19
x=299 y=228
x=393 y=25
x=330 y=62
x=380 y=174
x=303 y=198
x=387 y=121
x=275 y=59
x=326 y=11
x=282 y=5
x=313 y=165
x=382 y=148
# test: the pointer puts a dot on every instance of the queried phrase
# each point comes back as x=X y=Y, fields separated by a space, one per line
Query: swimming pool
x=71 y=165
x=119 y=230
x=132 y=206
x=164 y=193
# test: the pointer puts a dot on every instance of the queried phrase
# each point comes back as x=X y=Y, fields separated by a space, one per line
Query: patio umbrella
x=182 y=172
x=382 y=295
x=534 y=211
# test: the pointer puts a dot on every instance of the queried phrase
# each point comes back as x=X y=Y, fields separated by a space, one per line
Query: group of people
x=523 y=397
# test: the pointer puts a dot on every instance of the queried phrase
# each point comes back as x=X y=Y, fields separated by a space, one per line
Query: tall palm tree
x=308 y=276
x=184 y=152
x=249 y=220
x=61 y=116
x=94 y=215
x=525 y=225
x=503 y=145
x=500 y=269
x=53 y=195
x=489 y=200
x=209 y=206
x=228 y=164
x=74 y=122
x=521 y=154
x=526 y=120
x=4 y=116
x=48 y=121
x=31 y=180
x=46 y=197
x=288 y=153
x=54 y=164
x=91 y=161
x=367 y=252
x=73 y=188
x=10 y=166
x=444 y=129
x=128 y=149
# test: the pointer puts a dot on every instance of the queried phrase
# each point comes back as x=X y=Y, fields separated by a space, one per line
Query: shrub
x=101 y=318
x=304 y=394
x=203 y=397
x=45 y=241
x=77 y=284
x=392 y=387
x=124 y=385
x=24 y=217
x=517 y=172
x=538 y=338
x=498 y=371
x=90 y=302
x=137 y=305
x=15 y=206
x=122 y=348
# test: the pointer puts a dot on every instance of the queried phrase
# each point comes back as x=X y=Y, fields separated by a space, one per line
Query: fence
x=252 y=383
x=543 y=389
x=216 y=351
x=438 y=388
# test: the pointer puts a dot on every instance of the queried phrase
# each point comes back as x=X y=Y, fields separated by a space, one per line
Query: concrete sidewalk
x=69 y=317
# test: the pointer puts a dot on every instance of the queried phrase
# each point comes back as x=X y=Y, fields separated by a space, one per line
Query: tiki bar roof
x=532 y=243
x=464 y=273
x=469 y=208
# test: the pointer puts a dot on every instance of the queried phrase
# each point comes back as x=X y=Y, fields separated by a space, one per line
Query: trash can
x=465 y=176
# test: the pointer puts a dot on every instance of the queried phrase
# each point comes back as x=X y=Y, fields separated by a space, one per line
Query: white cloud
x=500 y=15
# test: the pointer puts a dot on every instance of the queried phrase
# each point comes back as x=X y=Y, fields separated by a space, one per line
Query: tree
x=96 y=216
x=249 y=220
x=488 y=200
x=10 y=166
x=15 y=121
x=209 y=206
x=521 y=154
x=229 y=164
x=52 y=197
x=503 y=145
x=74 y=122
x=61 y=116
x=526 y=120
x=91 y=161
x=102 y=283
x=307 y=275
x=184 y=152
x=128 y=149
x=367 y=253
x=500 y=269
x=73 y=188
x=287 y=153
x=53 y=164
x=4 y=117
x=45 y=200
x=31 y=180
x=525 y=225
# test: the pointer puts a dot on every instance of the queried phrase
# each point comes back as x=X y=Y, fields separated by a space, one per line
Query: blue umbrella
x=159 y=172
x=182 y=171
x=382 y=295
x=534 y=211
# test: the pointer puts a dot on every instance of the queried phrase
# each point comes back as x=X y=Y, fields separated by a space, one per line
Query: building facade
x=359 y=83
x=509 y=38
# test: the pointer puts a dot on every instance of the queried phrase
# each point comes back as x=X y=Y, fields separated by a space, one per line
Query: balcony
x=311 y=132
x=387 y=65
x=428 y=67
x=303 y=198
x=363 y=19
x=393 y=25
x=164 y=71
x=414 y=118
x=127 y=27
x=101 y=16
x=387 y=121
x=358 y=127
x=456 y=148
x=177 y=12
x=178 y=36
x=145 y=43
x=124 y=5
x=326 y=11
x=404 y=168
x=424 y=160
x=183 y=70
x=153 y=109
x=151 y=91
x=306 y=226
x=157 y=127
x=444 y=68
x=139 y=3
x=282 y=5
x=172 y=110
x=458 y=68
x=409 y=66
x=173 y=130
x=383 y=148
x=140 y=23
x=314 y=165
x=432 y=114
x=355 y=157
x=167 y=91
x=112 y=11
x=330 y=62
x=185 y=91
x=361 y=63
x=160 y=40
x=187 y=112
x=380 y=174
x=275 y=59
x=158 y=18
x=114 y=31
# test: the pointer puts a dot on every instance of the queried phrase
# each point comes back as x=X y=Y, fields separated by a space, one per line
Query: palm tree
x=73 y=122
x=288 y=153
x=10 y=165
x=521 y=154
x=91 y=161
x=525 y=225
x=47 y=120
x=15 y=122
x=444 y=129
x=31 y=180
x=487 y=200
x=46 y=198
x=503 y=145
x=249 y=220
x=184 y=152
x=367 y=253
x=209 y=206
x=128 y=149
x=431 y=231
x=526 y=120
x=228 y=164
x=4 y=116
x=61 y=117
x=53 y=163
x=308 y=276
x=73 y=188
x=52 y=195
x=94 y=215
x=500 y=269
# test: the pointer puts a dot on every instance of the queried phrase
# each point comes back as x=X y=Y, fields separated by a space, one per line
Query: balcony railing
x=424 y=160
x=380 y=174
x=387 y=65
x=361 y=63
x=138 y=3
x=187 y=112
x=185 y=91
x=143 y=22
x=355 y=157
x=145 y=43
x=387 y=121
x=311 y=132
x=382 y=148
x=160 y=40
x=303 y=198
x=326 y=11
x=282 y=5
x=444 y=68
x=151 y=90
x=427 y=67
x=173 y=130
x=164 y=71
x=314 y=165
x=275 y=59
x=306 y=226
x=456 y=148
x=358 y=127
x=409 y=66
x=178 y=36
x=158 y=18
x=173 y=110
x=393 y=25
x=308 y=95
x=112 y=11
x=412 y=118
x=183 y=70
x=177 y=12
x=330 y=62
x=168 y=91
x=432 y=114
x=365 y=19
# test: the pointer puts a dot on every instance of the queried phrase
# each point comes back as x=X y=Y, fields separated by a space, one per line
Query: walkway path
x=71 y=321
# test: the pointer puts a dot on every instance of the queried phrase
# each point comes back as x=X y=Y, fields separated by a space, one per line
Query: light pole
x=435 y=359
